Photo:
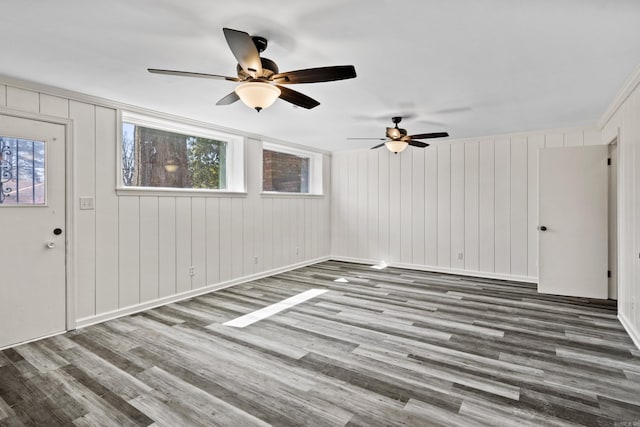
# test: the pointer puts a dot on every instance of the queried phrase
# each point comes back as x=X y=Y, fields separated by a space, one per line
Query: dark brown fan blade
x=377 y=146
x=371 y=139
x=245 y=51
x=229 y=99
x=418 y=144
x=316 y=75
x=190 y=74
x=297 y=98
x=429 y=135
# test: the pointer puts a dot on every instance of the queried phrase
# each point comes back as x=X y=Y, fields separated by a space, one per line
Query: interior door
x=32 y=243
x=573 y=223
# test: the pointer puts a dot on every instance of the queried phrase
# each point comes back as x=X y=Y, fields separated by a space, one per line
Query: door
x=32 y=240
x=572 y=217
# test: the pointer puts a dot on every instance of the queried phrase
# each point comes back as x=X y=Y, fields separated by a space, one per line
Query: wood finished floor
x=390 y=348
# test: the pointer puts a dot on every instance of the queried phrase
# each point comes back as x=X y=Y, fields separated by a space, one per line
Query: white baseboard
x=626 y=323
x=471 y=273
x=103 y=317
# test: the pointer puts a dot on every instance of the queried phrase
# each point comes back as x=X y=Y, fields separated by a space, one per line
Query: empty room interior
x=336 y=213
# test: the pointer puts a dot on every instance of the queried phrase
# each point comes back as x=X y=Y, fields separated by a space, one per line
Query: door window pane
x=22 y=172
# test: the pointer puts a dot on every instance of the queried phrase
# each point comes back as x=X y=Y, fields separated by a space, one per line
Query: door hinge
x=608 y=273
x=609 y=161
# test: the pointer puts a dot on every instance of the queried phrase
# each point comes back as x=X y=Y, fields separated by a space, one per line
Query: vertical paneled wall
x=459 y=206
x=135 y=249
x=625 y=126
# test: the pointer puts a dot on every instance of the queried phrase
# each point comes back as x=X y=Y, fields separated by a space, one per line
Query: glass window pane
x=22 y=172
x=285 y=172
x=160 y=158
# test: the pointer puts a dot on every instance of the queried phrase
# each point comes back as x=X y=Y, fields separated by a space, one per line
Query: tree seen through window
x=159 y=158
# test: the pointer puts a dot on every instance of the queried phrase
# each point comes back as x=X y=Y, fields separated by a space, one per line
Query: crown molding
x=116 y=105
x=627 y=89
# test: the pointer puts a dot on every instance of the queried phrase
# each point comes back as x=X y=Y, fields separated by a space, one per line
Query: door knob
x=542 y=228
x=51 y=245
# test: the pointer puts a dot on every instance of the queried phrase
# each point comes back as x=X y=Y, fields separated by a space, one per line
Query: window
x=22 y=173
x=160 y=154
x=288 y=170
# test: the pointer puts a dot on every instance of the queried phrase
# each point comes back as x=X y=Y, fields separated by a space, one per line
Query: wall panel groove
x=84 y=117
x=444 y=205
x=457 y=200
x=471 y=207
x=406 y=212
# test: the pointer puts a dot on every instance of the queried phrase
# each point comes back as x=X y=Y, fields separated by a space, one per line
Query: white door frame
x=614 y=162
x=70 y=272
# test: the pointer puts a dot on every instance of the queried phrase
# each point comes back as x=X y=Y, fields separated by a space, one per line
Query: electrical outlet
x=256 y=260
x=192 y=271
x=460 y=255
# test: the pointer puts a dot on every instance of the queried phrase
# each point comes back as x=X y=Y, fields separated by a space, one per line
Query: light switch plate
x=86 y=203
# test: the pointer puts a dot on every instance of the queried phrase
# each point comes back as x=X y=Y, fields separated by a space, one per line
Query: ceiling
x=469 y=67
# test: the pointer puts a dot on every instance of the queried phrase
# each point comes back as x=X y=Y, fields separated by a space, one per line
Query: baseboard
x=471 y=273
x=103 y=317
x=626 y=324
x=114 y=314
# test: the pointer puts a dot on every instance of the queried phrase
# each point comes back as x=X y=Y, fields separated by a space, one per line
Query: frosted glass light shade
x=396 y=146
x=258 y=95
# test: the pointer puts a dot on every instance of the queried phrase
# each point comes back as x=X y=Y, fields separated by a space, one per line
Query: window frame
x=235 y=155
x=315 y=169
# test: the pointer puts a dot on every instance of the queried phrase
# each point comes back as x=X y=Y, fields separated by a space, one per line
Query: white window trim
x=315 y=169
x=236 y=176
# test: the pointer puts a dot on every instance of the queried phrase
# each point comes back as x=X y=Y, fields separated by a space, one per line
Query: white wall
x=622 y=121
x=424 y=207
x=134 y=250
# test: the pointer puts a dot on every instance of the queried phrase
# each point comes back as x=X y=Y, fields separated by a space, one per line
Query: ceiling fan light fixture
x=171 y=166
x=258 y=95
x=396 y=146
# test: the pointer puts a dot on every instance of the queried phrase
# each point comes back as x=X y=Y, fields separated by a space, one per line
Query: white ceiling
x=469 y=67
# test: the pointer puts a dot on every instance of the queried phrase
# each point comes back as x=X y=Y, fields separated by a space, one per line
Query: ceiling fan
x=261 y=81
x=397 y=138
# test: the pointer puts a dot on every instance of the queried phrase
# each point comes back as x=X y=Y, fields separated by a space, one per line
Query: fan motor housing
x=269 y=68
x=396 y=133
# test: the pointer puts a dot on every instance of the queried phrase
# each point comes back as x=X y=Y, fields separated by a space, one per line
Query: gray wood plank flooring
x=392 y=347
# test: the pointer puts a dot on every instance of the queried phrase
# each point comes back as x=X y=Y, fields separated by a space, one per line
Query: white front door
x=572 y=218
x=32 y=230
